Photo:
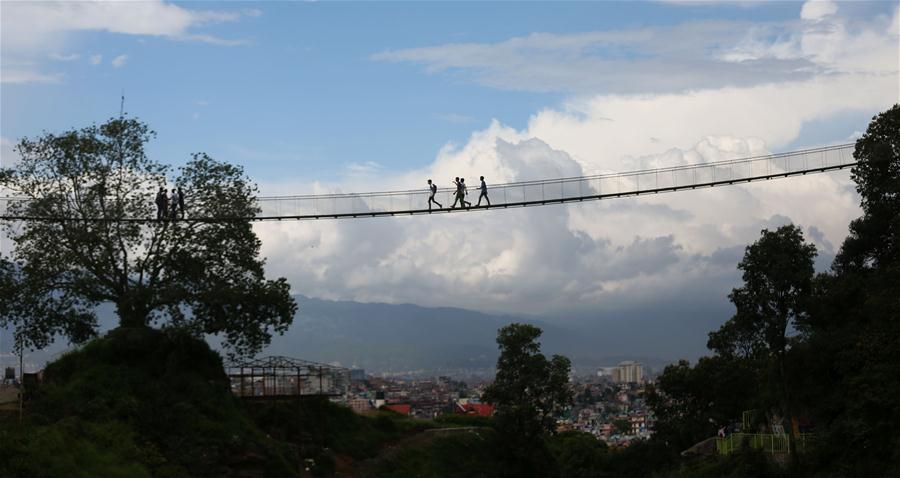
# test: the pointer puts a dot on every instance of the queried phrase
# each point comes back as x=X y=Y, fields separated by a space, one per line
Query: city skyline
x=356 y=97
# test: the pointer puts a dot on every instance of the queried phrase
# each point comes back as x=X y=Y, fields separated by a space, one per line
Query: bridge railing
x=527 y=193
x=565 y=189
x=766 y=442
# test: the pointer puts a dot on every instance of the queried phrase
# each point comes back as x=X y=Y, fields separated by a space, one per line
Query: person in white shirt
x=433 y=188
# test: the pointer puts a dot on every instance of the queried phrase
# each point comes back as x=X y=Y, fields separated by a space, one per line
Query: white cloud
x=119 y=61
x=818 y=9
x=62 y=57
x=96 y=59
x=689 y=56
x=26 y=73
x=366 y=168
x=607 y=254
x=33 y=30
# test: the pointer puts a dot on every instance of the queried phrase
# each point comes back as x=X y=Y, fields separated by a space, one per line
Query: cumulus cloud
x=818 y=9
x=607 y=255
x=96 y=59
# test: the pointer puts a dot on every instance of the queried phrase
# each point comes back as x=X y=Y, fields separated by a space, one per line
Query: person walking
x=433 y=188
x=181 y=202
x=173 y=203
x=462 y=185
x=161 y=203
x=483 y=194
x=459 y=194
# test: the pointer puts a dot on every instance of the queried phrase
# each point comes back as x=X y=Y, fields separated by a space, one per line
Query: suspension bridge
x=512 y=195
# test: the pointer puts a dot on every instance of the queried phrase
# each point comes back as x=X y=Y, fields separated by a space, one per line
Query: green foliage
x=458 y=420
x=154 y=271
x=319 y=424
x=527 y=391
x=579 y=455
x=157 y=400
x=778 y=272
x=73 y=448
x=854 y=327
x=462 y=454
x=744 y=464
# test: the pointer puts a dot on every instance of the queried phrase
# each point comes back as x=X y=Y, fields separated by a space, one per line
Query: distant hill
x=407 y=337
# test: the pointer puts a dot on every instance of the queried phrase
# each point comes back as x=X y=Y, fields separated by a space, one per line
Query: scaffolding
x=282 y=377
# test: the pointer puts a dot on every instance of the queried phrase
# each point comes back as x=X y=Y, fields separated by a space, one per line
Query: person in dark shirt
x=483 y=194
x=459 y=194
x=161 y=205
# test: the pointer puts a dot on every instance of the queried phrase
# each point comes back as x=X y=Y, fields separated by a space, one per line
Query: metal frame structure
x=280 y=377
x=520 y=194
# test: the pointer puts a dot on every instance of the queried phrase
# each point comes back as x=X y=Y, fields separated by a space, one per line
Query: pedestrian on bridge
x=462 y=185
x=173 y=201
x=181 y=202
x=161 y=203
x=433 y=188
x=459 y=194
x=483 y=194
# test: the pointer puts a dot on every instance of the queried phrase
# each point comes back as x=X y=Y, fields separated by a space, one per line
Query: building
x=628 y=372
x=476 y=409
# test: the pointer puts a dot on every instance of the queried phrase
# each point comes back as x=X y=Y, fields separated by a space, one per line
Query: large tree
x=854 y=325
x=774 y=301
x=97 y=241
x=528 y=391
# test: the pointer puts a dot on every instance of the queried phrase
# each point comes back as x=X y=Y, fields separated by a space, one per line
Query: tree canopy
x=527 y=391
x=203 y=276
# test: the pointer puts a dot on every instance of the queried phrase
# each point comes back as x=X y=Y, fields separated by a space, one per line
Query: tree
x=691 y=403
x=854 y=324
x=875 y=237
x=527 y=391
x=778 y=273
x=201 y=275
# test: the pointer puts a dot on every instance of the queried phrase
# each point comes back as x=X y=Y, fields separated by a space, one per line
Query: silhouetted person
x=483 y=194
x=181 y=202
x=433 y=188
x=459 y=194
x=161 y=203
x=173 y=202
x=462 y=185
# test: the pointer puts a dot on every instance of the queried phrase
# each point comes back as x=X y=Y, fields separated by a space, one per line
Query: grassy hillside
x=139 y=402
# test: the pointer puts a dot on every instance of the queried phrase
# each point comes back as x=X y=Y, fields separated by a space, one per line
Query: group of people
x=169 y=207
x=460 y=195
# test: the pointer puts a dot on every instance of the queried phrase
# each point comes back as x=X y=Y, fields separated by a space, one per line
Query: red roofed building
x=403 y=409
x=476 y=409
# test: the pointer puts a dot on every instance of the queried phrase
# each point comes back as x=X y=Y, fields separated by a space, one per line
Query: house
x=401 y=408
x=475 y=409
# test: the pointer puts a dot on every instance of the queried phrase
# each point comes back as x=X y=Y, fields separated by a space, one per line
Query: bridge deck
x=529 y=193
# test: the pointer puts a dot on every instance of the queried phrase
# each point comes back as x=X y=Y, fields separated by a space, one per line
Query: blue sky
x=373 y=96
x=302 y=95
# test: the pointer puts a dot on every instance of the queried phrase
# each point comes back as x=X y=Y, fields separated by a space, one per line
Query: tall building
x=628 y=372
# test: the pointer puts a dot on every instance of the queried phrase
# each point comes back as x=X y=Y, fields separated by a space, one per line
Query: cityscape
x=321 y=239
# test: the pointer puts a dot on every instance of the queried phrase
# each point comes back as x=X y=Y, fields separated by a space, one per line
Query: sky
x=326 y=96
